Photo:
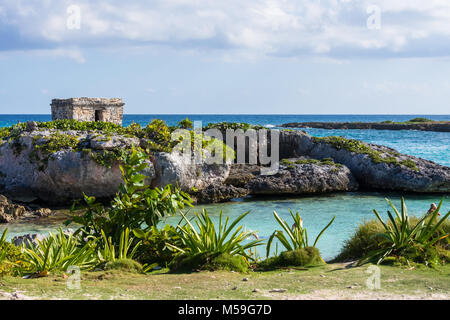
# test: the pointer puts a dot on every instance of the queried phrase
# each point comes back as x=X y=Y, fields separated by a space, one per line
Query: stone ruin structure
x=88 y=109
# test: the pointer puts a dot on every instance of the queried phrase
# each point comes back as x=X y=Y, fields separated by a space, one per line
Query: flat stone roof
x=83 y=101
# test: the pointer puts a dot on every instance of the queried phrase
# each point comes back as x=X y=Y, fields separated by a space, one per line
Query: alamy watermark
x=214 y=146
x=73 y=21
x=374 y=280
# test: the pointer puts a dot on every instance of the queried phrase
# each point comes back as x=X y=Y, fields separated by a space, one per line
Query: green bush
x=302 y=257
x=211 y=262
x=12 y=260
x=420 y=120
x=185 y=124
x=363 y=241
x=154 y=248
x=127 y=265
x=368 y=238
x=297 y=235
x=207 y=238
x=58 y=251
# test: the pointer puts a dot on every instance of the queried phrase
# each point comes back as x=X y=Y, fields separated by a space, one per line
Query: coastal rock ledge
x=34 y=165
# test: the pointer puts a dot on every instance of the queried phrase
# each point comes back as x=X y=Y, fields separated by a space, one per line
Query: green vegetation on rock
x=360 y=147
x=222 y=126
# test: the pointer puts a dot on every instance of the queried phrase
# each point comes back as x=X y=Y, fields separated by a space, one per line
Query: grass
x=332 y=280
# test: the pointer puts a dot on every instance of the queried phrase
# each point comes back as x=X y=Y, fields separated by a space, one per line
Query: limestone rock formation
x=373 y=166
x=10 y=211
x=176 y=169
x=304 y=179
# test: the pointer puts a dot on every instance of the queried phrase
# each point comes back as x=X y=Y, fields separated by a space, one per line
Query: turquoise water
x=349 y=209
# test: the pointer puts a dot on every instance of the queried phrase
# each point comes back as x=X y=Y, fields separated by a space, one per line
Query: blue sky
x=234 y=56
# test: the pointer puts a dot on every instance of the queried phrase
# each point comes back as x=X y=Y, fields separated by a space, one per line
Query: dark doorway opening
x=98 y=115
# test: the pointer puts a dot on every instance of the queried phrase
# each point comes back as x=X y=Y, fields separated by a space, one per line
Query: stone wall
x=88 y=109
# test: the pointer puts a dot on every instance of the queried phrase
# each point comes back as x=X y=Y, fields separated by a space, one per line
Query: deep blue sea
x=349 y=208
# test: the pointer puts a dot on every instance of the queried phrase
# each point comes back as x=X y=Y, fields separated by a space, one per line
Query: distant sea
x=434 y=146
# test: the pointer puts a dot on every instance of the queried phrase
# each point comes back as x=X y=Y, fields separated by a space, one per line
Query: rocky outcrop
x=373 y=166
x=293 y=179
x=30 y=168
x=176 y=169
x=215 y=193
x=60 y=176
x=439 y=126
x=296 y=179
x=10 y=211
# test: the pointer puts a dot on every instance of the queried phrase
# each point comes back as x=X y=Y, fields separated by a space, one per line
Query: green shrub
x=58 y=251
x=302 y=257
x=185 y=124
x=208 y=261
x=125 y=249
x=297 y=236
x=228 y=263
x=154 y=248
x=363 y=241
x=222 y=126
x=404 y=238
x=420 y=120
x=12 y=260
x=367 y=238
x=212 y=240
x=127 y=265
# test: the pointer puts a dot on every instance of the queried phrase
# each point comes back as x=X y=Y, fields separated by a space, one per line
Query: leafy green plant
x=125 y=248
x=185 y=124
x=59 y=251
x=154 y=249
x=211 y=240
x=297 y=236
x=301 y=257
x=401 y=237
x=127 y=265
x=12 y=260
x=135 y=206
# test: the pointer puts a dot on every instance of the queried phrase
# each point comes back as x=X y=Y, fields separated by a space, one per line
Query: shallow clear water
x=349 y=209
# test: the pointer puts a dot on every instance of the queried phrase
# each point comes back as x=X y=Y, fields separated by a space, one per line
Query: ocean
x=350 y=208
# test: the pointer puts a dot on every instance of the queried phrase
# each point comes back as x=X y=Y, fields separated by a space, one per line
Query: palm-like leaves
x=400 y=235
x=2 y=242
x=297 y=236
x=58 y=252
x=226 y=239
x=108 y=251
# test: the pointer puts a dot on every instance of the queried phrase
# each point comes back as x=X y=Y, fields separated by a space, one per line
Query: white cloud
x=332 y=28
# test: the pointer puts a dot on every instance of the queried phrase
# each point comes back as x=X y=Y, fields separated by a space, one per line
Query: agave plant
x=59 y=251
x=2 y=242
x=207 y=239
x=297 y=236
x=108 y=251
x=400 y=235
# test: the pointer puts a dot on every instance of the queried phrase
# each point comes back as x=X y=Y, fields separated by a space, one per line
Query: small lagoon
x=316 y=211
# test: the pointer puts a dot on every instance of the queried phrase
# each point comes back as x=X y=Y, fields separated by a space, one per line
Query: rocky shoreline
x=443 y=126
x=309 y=165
